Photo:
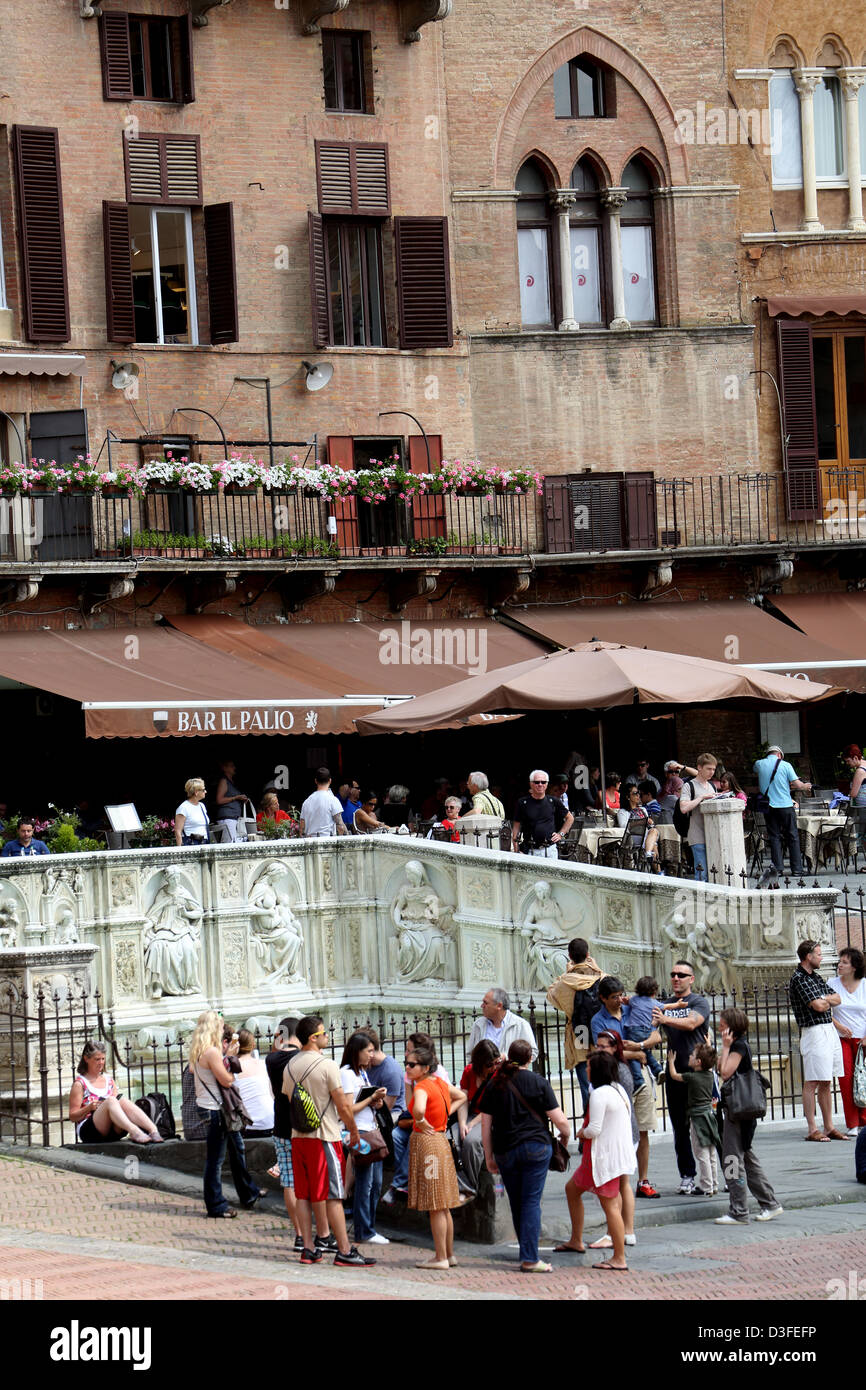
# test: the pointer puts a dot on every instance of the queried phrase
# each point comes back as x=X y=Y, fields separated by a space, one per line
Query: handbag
x=744 y=1096
x=762 y=799
x=559 y=1155
x=378 y=1148
x=858 y=1089
x=233 y=1112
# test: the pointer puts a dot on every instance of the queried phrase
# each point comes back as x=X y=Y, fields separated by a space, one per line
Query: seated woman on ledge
x=97 y=1109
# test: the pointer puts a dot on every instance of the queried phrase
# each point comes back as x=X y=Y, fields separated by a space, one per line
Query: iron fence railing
x=41 y=1039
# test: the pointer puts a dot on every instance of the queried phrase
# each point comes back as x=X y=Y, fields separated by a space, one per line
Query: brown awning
x=838 y=619
x=734 y=631
x=819 y=304
x=217 y=676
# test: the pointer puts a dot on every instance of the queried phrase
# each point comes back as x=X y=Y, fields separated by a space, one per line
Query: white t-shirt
x=353 y=1082
x=319 y=812
x=257 y=1096
x=493 y=1034
x=197 y=819
x=851 y=1013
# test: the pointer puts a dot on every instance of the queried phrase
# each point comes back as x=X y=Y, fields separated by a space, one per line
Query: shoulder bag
x=762 y=799
x=232 y=1109
x=744 y=1096
x=859 y=1077
x=559 y=1155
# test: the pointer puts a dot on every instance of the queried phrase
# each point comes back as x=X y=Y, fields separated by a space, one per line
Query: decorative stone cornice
x=852 y=80
x=484 y=195
x=199 y=9
x=88 y=11
x=417 y=13
x=313 y=10
x=615 y=199
x=806 y=80
x=562 y=199
x=699 y=190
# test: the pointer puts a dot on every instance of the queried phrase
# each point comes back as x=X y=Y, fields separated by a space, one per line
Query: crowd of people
x=333 y=1125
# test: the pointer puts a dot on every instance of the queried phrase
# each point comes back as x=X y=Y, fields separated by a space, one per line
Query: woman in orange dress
x=432 y=1176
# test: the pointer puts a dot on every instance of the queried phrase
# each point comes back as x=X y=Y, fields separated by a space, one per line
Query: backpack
x=156 y=1107
x=586 y=1006
x=303 y=1109
x=682 y=819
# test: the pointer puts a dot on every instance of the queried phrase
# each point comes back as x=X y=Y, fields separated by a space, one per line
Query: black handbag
x=559 y=1155
x=744 y=1096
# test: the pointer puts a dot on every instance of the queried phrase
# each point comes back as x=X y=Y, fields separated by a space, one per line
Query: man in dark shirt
x=539 y=820
x=812 y=1000
x=642 y=774
x=684 y=1018
x=25 y=846
x=286 y=1044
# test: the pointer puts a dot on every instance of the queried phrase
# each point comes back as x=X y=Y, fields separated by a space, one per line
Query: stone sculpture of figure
x=710 y=950
x=422 y=923
x=276 y=932
x=548 y=948
x=66 y=928
x=8 y=925
x=171 y=939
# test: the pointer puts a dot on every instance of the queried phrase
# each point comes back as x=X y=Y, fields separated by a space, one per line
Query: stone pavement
x=115 y=1240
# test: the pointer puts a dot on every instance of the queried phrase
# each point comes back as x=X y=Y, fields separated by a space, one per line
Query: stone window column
x=806 y=81
x=613 y=200
x=563 y=201
x=852 y=80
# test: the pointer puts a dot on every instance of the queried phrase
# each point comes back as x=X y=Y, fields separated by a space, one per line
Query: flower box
x=370 y=551
x=511 y=550
x=485 y=550
x=394 y=550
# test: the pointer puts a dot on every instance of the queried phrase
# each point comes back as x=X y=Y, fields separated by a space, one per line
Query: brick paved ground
x=84 y=1236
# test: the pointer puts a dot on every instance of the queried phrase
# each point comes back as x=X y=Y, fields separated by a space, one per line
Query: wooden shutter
x=423 y=282
x=428 y=511
x=640 y=511
x=318 y=281
x=797 y=387
x=341 y=454
x=352 y=179
x=183 y=39
x=222 y=287
x=558 y=516
x=597 y=513
x=36 y=152
x=163 y=169
x=119 y=305
x=116 y=57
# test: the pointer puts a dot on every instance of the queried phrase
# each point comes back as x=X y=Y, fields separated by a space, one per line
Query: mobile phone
x=236 y=1037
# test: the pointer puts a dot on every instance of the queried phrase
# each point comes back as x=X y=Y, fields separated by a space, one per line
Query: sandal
x=834 y=1134
x=612 y=1269
x=228 y=1215
x=569 y=1249
x=816 y=1137
x=540 y=1267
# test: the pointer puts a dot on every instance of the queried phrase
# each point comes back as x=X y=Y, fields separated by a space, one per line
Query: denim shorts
x=284 y=1159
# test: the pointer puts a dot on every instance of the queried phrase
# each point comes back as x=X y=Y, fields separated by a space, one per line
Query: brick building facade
x=557 y=239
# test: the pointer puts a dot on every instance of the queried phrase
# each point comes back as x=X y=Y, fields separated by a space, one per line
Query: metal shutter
x=423 y=282
x=36 y=152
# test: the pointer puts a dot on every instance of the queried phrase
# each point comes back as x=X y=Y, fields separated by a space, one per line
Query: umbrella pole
x=601 y=770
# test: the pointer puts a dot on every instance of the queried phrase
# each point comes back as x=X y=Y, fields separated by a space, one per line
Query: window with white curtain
x=586 y=238
x=785 y=144
x=3 y=304
x=829 y=131
x=861 y=106
x=533 y=246
x=638 y=261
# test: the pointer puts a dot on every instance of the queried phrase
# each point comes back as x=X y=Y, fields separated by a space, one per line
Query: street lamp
x=417 y=422
x=197 y=410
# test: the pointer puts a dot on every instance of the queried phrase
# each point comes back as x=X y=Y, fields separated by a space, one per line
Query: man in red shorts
x=317 y=1157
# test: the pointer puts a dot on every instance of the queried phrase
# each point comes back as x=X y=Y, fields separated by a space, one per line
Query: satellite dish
x=318 y=375
x=124 y=373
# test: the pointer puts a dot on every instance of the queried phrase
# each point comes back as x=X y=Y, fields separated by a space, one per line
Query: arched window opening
x=533 y=246
x=638 y=253
x=587 y=249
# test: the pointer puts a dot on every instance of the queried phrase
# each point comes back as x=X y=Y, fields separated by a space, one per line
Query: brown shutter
x=352 y=178
x=119 y=305
x=318 y=281
x=640 y=510
x=797 y=387
x=162 y=169
x=183 y=31
x=341 y=451
x=222 y=287
x=558 y=516
x=423 y=282
x=36 y=151
x=597 y=513
x=341 y=454
x=428 y=510
x=116 y=57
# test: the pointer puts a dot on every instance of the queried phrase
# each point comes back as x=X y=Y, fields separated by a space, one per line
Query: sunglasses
x=539 y=781
x=409 y=1065
x=680 y=975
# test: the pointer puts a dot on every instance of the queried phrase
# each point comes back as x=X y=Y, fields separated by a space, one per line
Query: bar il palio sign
x=232 y=721
x=176 y=720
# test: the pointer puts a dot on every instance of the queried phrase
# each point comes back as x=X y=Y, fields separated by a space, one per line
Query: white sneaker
x=852 y=1133
x=631 y=1240
x=376 y=1239
x=728 y=1220
x=768 y=1213
x=686 y=1187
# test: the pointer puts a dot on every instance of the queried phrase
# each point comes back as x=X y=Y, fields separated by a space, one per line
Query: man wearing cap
x=673 y=783
x=776 y=777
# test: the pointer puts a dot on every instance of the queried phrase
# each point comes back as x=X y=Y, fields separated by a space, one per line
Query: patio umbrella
x=597 y=676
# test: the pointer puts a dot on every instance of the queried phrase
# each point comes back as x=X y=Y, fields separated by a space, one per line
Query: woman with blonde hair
x=212 y=1077
x=191 y=820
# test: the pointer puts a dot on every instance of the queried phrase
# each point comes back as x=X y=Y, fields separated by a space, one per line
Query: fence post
x=43 y=1070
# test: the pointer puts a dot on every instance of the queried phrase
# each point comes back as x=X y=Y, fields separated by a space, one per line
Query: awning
x=735 y=631
x=43 y=363
x=839 y=619
x=220 y=677
x=819 y=304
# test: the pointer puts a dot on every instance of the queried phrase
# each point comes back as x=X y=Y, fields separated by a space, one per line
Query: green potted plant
x=483 y=544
